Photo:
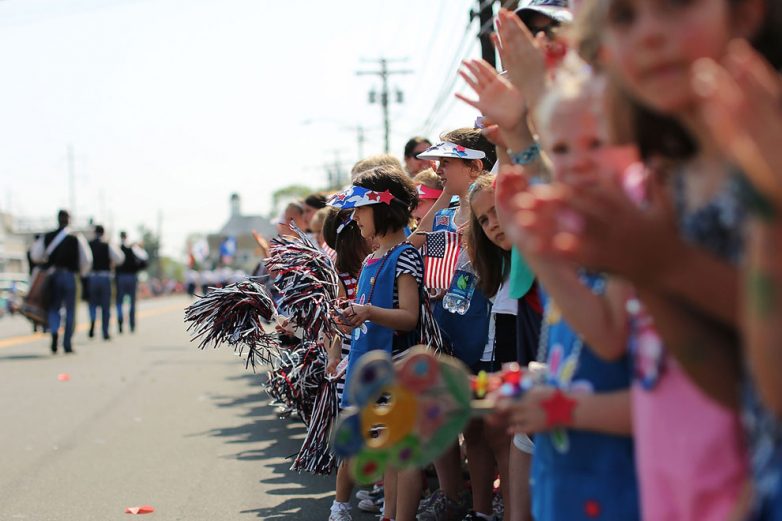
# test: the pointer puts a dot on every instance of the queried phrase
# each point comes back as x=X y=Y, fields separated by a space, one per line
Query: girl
x=342 y=234
x=675 y=277
x=585 y=454
x=463 y=155
x=430 y=188
x=489 y=445
x=386 y=311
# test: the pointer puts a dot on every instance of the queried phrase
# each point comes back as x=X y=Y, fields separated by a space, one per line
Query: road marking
x=84 y=326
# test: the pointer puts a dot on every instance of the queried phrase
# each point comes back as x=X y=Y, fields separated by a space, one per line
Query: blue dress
x=582 y=474
x=466 y=333
x=376 y=287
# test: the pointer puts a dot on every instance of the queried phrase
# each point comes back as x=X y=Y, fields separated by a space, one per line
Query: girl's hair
x=573 y=81
x=492 y=263
x=429 y=179
x=371 y=162
x=473 y=138
x=319 y=217
x=350 y=246
x=396 y=215
x=661 y=136
x=316 y=200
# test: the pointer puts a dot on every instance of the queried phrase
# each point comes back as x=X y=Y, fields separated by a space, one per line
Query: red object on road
x=144 y=509
x=63 y=377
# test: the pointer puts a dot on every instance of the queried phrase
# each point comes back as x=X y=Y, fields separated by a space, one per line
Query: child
x=386 y=311
x=488 y=444
x=589 y=456
x=430 y=188
x=463 y=155
x=342 y=234
x=676 y=277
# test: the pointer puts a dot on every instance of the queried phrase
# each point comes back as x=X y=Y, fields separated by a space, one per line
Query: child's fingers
x=473 y=103
x=742 y=59
x=486 y=71
x=470 y=80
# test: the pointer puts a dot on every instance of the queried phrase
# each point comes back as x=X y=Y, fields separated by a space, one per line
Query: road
x=144 y=419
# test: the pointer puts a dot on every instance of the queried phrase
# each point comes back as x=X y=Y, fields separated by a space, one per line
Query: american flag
x=440 y=252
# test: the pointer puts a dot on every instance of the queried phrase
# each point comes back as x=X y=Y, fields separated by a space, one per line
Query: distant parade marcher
x=68 y=254
x=127 y=279
x=105 y=256
x=31 y=265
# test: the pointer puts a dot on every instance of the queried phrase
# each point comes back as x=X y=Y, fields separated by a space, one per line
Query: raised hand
x=498 y=99
x=741 y=102
x=522 y=55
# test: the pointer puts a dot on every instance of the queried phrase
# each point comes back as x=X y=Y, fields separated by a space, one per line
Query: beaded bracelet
x=526 y=156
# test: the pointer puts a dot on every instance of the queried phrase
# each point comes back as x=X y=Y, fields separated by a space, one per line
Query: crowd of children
x=617 y=208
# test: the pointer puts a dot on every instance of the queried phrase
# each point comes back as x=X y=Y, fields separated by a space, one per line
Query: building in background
x=233 y=245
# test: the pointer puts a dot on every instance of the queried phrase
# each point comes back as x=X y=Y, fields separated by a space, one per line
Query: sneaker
x=370 y=505
x=375 y=493
x=442 y=508
x=341 y=514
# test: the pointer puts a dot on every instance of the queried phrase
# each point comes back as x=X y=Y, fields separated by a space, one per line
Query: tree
x=289 y=193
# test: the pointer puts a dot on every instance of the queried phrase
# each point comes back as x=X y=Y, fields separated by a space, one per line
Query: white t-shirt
x=502 y=304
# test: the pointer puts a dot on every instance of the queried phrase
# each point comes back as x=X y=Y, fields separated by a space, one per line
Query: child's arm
x=418 y=237
x=708 y=351
x=601 y=320
x=763 y=327
x=404 y=318
x=334 y=347
x=607 y=412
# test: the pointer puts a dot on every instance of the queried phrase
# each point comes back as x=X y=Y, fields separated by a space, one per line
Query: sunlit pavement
x=144 y=419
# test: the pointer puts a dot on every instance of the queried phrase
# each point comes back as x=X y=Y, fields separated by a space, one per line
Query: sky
x=172 y=105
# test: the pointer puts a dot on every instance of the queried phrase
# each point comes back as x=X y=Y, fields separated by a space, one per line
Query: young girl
x=386 y=311
x=342 y=235
x=589 y=456
x=489 y=445
x=675 y=277
x=430 y=188
x=463 y=155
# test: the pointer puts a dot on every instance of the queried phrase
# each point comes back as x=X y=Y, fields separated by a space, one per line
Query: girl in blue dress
x=386 y=312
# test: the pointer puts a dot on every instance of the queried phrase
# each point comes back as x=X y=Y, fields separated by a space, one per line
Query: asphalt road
x=145 y=419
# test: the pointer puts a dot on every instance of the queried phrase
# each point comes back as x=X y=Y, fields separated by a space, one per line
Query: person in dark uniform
x=68 y=254
x=31 y=265
x=104 y=257
x=127 y=279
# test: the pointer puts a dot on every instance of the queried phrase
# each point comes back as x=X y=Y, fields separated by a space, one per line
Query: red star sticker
x=373 y=196
x=592 y=508
x=559 y=409
x=386 y=197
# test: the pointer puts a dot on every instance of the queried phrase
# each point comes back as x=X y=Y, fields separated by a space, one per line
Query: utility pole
x=485 y=15
x=335 y=174
x=384 y=73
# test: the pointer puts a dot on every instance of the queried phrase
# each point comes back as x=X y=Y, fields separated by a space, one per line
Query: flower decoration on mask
x=446 y=149
x=356 y=196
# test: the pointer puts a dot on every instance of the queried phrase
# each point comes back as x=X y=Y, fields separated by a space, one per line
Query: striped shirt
x=350 y=283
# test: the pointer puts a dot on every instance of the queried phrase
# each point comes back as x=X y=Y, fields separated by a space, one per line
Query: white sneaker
x=369 y=505
x=342 y=514
x=375 y=493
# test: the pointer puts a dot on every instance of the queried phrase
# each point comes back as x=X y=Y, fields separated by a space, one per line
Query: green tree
x=287 y=193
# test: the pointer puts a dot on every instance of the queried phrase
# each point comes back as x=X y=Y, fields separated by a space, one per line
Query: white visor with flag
x=447 y=149
x=356 y=196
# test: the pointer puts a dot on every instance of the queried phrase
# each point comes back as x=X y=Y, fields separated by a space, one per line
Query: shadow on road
x=274 y=441
x=6 y=358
